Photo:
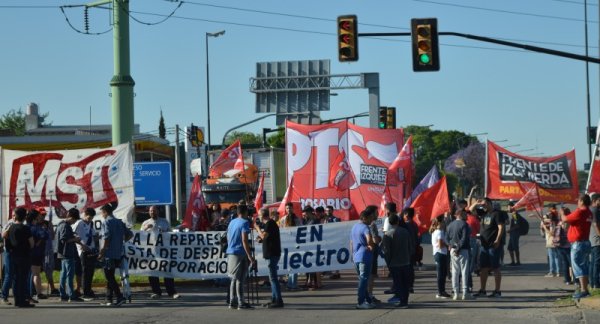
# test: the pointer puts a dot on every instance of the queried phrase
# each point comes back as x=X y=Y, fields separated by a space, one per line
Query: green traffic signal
x=382 y=125
x=424 y=58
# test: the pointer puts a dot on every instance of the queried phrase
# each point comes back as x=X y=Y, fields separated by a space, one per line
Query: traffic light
x=347 y=38
x=390 y=120
x=592 y=135
x=382 y=124
x=425 y=48
x=193 y=135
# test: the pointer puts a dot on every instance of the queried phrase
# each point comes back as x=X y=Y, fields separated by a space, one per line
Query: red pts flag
x=431 y=203
x=340 y=176
x=405 y=162
x=230 y=159
x=385 y=198
x=258 y=201
x=288 y=197
x=195 y=214
x=531 y=199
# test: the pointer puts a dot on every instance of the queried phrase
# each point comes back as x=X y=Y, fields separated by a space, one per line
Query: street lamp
x=217 y=34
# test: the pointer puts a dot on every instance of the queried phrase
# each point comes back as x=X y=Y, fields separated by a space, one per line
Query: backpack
x=523 y=225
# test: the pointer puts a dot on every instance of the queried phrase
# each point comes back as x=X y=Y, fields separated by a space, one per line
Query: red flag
x=404 y=162
x=288 y=197
x=230 y=158
x=385 y=198
x=531 y=199
x=258 y=201
x=195 y=214
x=431 y=203
x=340 y=175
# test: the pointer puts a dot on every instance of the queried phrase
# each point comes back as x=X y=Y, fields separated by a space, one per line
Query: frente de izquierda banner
x=556 y=176
x=61 y=180
x=198 y=255
x=312 y=149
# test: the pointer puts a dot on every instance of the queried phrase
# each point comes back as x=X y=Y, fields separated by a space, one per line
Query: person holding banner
x=288 y=220
x=239 y=257
x=271 y=248
x=361 y=247
x=158 y=225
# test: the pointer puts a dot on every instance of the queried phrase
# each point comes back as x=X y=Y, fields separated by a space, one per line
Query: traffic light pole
x=499 y=42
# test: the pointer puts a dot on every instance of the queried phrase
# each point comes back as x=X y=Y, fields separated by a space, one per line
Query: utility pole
x=177 y=176
x=122 y=83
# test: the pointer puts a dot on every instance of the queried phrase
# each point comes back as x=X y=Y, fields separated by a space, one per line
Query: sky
x=534 y=101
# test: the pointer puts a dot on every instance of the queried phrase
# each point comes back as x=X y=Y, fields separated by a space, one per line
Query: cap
x=41 y=210
x=511 y=202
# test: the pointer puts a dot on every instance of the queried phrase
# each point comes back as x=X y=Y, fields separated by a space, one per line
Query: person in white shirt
x=440 y=254
x=159 y=225
x=87 y=251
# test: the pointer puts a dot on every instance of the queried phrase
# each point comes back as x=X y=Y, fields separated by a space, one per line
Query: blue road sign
x=152 y=183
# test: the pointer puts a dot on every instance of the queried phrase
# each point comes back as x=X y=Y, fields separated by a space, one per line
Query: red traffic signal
x=347 y=38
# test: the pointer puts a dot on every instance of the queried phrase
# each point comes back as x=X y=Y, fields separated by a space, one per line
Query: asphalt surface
x=527 y=297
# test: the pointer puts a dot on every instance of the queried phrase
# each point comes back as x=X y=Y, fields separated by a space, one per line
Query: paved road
x=527 y=297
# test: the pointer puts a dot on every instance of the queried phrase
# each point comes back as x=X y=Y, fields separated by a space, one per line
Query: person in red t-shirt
x=578 y=235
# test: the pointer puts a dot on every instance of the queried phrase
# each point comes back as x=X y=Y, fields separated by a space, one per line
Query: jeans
x=169 y=285
x=553 y=260
x=580 y=254
x=275 y=287
x=88 y=266
x=595 y=267
x=401 y=279
x=21 y=267
x=363 y=269
x=67 y=272
x=112 y=287
x=460 y=265
x=442 y=271
x=8 y=281
x=292 y=281
x=565 y=262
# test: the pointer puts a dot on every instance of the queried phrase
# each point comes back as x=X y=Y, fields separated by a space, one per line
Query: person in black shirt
x=492 y=231
x=21 y=243
x=271 y=247
x=67 y=251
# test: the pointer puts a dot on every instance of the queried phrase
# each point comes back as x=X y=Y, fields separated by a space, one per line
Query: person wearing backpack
x=514 y=233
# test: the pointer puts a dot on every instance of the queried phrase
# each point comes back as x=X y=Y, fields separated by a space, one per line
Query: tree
x=14 y=120
x=468 y=165
x=244 y=137
x=278 y=139
x=162 y=132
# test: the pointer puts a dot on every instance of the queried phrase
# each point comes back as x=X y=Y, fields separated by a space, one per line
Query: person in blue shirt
x=239 y=257
x=361 y=244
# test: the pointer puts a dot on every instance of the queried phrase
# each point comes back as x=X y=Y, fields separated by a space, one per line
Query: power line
x=576 y=2
x=128 y=12
x=505 y=11
x=62 y=9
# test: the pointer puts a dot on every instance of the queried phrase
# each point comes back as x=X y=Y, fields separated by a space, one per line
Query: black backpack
x=523 y=225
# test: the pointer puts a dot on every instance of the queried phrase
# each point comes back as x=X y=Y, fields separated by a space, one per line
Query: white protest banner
x=197 y=255
x=61 y=180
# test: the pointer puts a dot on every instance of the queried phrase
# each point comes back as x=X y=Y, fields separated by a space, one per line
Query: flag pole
x=485 y=171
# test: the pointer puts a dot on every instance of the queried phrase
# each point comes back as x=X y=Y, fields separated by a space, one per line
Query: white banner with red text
x=197 y=255
x=61 y=180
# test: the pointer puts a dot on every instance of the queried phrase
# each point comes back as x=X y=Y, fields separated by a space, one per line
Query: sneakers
x=106 y=303
x=389 y=292
x=375 y=300
x=481 y=292
x=244 y=306
x=401 y=306
x=365 y=305
x=549 y=275
x=394 y=300
x=495 y=294
x=443 y=295
x=275 y=305
x=88 y=298
x=176 y=296
x=120 y=301
x=54 y=292
x=455 y=296
x=75 y=300
x=6 y=302
x=581 y=294
x=467 y=296
x=42 y=296
x=155 y=296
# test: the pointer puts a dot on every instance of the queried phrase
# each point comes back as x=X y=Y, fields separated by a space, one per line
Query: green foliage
x=15 y=120
x=244 y=137
x=162 y=131
x=434 y=146
x=277 y=139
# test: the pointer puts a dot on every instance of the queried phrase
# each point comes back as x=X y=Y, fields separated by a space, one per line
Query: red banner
x=431 y=203
x=556 y=176
x=230 y=159
x=312 y=149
